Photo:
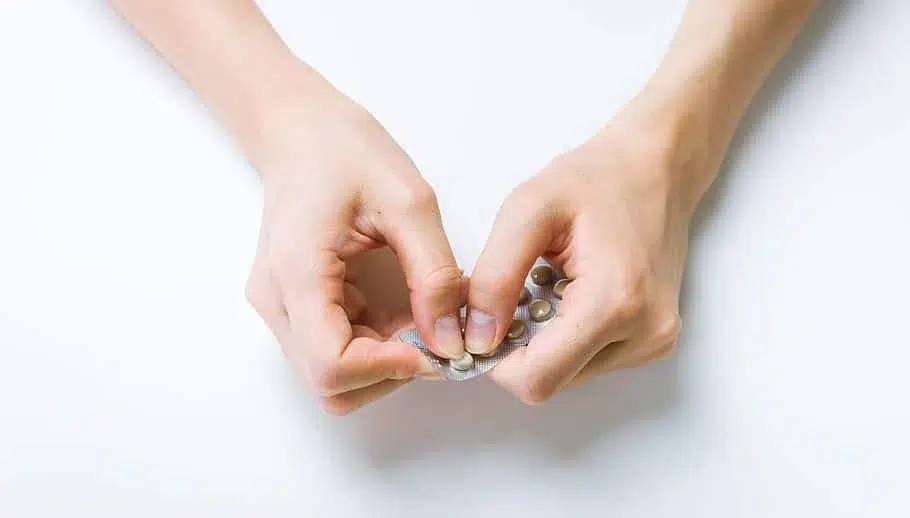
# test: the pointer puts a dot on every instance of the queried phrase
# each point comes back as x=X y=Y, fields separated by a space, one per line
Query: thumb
x=523 y=231
x=437 y=286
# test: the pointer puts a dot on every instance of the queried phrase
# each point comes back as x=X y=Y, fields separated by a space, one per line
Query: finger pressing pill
x=525 y=295
x=516 y=330
x=464 y=363
x=560 y=287
x=540 y=310
x=538 y=304
x=542 y=275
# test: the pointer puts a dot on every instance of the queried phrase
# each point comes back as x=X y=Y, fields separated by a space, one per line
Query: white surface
x=136 y=382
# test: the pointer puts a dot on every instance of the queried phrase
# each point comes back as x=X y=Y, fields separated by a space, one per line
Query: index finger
x=524 y=229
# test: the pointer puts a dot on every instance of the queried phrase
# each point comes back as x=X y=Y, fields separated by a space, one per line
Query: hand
x=613 y=214
x=336 y=186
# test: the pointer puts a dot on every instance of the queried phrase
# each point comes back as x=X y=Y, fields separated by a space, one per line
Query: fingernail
x=480 y=332
x=448 y=337
x=425 y=368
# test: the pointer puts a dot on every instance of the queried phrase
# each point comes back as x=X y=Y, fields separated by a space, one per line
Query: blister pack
x=541 y=295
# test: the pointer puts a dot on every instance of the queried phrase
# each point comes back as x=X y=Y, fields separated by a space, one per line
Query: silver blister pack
x=538 y=291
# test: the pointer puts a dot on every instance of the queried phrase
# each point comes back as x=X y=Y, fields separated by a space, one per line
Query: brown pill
x=525 y=295
x=542 y=276
x=540 y=310
x=516 y=330
x=560 y=287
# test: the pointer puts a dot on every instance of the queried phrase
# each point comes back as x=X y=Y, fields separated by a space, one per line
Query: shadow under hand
x=426 y=418
x=429 y=417
x=767 y=101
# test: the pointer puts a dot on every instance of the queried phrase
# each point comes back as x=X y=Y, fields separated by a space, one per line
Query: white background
x=135 y=381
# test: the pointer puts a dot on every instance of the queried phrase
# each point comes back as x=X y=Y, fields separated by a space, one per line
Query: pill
x=540 y=310
x=542 y=275
x=464 y=363
x=525 y=295
x=560 y=287
x=516 y=330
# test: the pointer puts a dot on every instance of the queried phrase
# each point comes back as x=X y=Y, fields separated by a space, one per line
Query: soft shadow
x=817 y=31
x=430 y=417
x=427 y=417
x=811 y=39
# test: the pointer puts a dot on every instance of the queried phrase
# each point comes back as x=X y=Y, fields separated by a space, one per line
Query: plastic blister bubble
x=483 y=364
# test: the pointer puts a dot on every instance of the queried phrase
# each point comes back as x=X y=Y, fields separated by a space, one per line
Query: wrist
x=679 y=140
x=691 y=106
x=289 y=110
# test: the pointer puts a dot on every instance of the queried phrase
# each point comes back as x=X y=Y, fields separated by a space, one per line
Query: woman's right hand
x=336 y=186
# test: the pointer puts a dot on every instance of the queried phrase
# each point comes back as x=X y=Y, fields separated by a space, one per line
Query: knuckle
x=665 y=351
x=629 y=296
x=667 y=334
x=324 y=380
x=442 y=278
x=417 y=197
x=257 y=293
x=525 y=198
x=536 y=391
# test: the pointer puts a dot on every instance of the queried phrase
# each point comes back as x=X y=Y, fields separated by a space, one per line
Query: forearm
x=719 y=58
x=230 y=55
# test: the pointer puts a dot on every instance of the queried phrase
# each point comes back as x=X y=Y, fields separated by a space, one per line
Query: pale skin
x=613 y=213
